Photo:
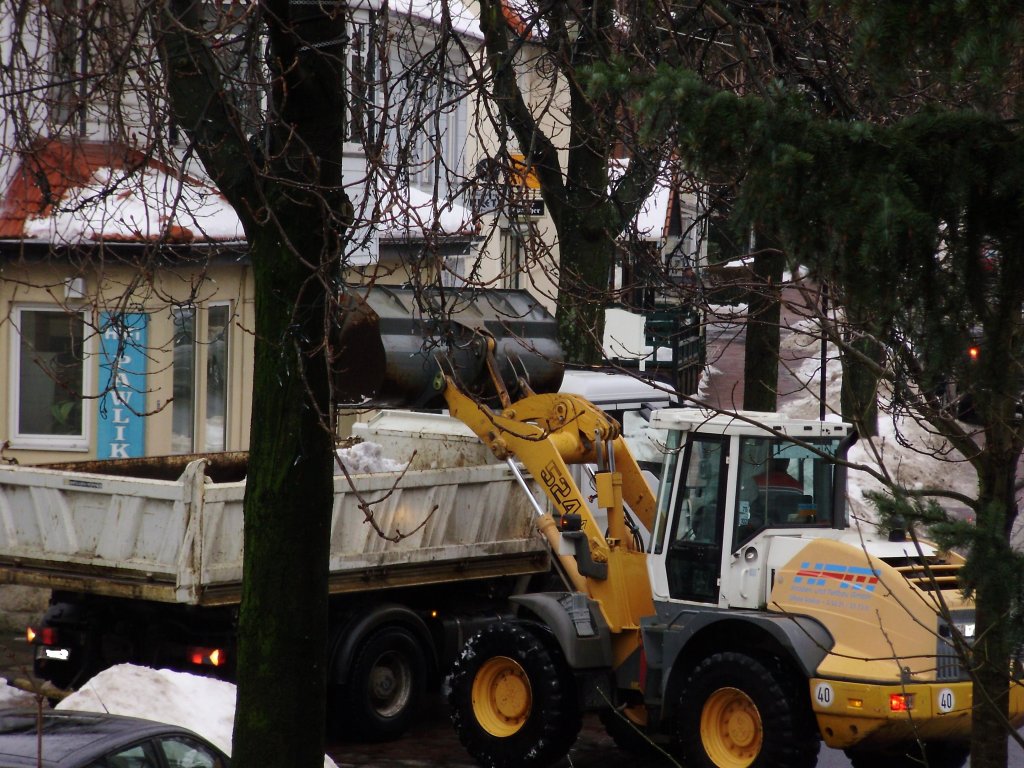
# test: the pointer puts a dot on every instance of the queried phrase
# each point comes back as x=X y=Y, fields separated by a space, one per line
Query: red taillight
x=974 y=353
x=901 y=702
x=44 y=636
x=206 y=657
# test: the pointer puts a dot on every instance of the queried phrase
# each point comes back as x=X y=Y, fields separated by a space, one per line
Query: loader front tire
x=513 y=699
x=737 y=711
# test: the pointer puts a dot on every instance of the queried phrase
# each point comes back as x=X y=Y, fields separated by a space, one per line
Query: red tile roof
x=51 y=169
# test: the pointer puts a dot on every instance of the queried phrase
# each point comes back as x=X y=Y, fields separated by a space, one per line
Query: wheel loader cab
x=727 y=489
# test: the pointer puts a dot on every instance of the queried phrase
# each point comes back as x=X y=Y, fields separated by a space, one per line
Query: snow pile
x=366 y=458
x=14 y=697
x=201 y=704
x=904 y=450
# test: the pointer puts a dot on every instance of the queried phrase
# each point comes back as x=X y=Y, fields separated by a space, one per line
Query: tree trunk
x=859 y=393
x=993 y=566
x=995 y=585
x=761 y=353
x=582 y=295
x=282 y=629
x=290 y=199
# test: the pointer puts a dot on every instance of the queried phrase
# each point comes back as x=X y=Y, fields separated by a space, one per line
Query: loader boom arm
x=547 y=433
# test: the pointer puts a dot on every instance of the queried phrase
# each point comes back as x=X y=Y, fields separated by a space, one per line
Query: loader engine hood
x=886 y=603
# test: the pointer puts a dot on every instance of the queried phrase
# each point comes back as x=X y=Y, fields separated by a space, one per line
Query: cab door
x=693 y=557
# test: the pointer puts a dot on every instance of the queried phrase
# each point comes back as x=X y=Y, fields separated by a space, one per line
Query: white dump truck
x=144 y=560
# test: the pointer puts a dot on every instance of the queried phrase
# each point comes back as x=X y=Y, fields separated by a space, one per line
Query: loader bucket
x=390 y=344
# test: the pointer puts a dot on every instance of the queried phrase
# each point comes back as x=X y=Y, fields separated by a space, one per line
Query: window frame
x=42 y=442
x=362 y=74
x=199 y=385
x=202 y=420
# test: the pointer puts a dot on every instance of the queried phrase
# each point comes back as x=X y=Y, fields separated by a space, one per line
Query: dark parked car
x=92 y=740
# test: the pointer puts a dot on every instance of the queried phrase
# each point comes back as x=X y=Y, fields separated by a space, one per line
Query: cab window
x=782 y=484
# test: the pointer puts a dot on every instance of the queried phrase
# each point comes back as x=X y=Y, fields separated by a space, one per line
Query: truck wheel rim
x=730 y=728
x=502 y=696
x=390 y=684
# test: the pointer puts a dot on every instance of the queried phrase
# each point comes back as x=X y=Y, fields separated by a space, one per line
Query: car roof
x=71 y=737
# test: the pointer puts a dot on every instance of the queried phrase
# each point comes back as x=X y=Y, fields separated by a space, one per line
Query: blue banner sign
x=121 y=432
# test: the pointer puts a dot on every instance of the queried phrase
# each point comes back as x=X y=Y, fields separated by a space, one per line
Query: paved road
x=432 y=744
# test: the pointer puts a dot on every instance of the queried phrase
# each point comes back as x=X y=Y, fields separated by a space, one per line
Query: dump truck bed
x=180 y=540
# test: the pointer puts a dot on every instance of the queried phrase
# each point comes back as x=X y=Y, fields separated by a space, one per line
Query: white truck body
x=181 y=540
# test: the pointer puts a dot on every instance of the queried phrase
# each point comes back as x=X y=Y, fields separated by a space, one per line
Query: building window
x=512 y=247
x=232 y=29
x=48 y=379
x=361 y=79
x=516 y=241
x=217 y=325
x=200 y=378
x=69 y=64
x=183 y=407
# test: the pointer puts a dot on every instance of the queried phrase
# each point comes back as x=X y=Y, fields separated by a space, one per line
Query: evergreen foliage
x=909 y=202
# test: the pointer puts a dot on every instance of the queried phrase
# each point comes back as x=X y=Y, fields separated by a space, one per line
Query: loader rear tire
x=737 y=711
x=513 y=699
x=936 y=754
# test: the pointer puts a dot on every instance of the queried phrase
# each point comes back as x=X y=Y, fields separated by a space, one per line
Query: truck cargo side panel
x=89 y=524
x=182 y=541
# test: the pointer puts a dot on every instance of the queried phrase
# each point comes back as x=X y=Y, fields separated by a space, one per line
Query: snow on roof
x=68 y=193
x=651 y=222
x=400 y=212
x=463 y=20
x=90 y=192
x=419 y=214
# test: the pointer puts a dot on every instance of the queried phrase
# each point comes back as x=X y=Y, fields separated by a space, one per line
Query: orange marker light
x=973 y=353
x=44 y=636
x=206 y=657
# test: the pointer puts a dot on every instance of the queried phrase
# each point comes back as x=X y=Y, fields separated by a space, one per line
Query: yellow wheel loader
x=733 y=615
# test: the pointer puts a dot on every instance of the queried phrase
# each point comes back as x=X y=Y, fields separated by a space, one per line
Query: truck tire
x=737 y=711
x=935 y=754
x=385 y=687
x=513 y=699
